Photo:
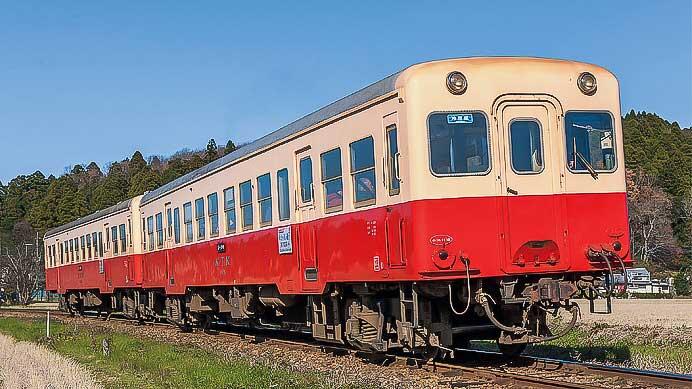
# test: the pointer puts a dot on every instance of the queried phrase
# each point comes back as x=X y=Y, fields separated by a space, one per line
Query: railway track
x=469 y=368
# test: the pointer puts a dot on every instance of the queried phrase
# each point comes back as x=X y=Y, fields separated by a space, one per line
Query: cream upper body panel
x=496 y=86
x=103 y=228
x=489 y=79
x=360 y=123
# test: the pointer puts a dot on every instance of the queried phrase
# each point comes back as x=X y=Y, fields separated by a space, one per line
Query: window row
x=89 y=246
x=459 y=143
x=201 y=219
x=362 y=172
x=203 y=216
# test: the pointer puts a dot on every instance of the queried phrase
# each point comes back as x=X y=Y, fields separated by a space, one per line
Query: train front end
x=518 y=193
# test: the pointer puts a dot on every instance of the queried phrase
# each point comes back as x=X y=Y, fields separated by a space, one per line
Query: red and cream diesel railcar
x=455 y=200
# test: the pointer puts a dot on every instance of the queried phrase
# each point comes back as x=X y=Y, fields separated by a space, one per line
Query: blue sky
x=85 y=81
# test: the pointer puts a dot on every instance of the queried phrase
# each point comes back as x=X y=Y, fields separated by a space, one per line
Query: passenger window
x=363 y=171
x=229 y=209
x=159 y=230
x=100 y=244
x=144 y=233
x=123 y=239
x=213 y=204
x=264 y=198
x=331 y=181
x=114 y=238
x=169 y=223
x=108 y=237
x=458 y=143
x=88 y=242
x=176 y=225
x=246 y=204
x=94 y=242
x=306 y=180
x=199 y=216
x=393 y=160
x=71 y=256
x=83 y=246
x=187 y=219
x=284 y=194
x=590 y=141
x=150 y=232
x=62 y=253
x=525 y=146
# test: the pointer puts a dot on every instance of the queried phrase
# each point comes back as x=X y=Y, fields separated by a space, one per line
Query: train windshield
x=458 y=143
x=590 y=142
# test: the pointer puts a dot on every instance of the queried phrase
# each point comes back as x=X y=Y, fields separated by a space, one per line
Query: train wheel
x=511 y=350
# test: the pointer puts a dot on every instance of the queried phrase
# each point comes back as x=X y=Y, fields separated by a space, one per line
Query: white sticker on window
x=460 y=118
x=285 y=241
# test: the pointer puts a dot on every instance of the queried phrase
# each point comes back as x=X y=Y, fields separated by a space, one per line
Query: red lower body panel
x=496 y=236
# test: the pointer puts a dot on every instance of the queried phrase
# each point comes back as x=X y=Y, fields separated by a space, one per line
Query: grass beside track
x=137 y=363
x=634 y=347
x=627 y=346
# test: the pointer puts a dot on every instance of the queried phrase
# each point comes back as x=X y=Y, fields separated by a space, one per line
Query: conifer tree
x=212 y=151
x=230 y=147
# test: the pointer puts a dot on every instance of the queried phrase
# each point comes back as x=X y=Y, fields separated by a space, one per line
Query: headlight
x=587 y=83
x=456 y=83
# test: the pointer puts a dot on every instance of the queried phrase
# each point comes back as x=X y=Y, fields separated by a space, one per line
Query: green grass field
x=136 y=363
x=635 y=347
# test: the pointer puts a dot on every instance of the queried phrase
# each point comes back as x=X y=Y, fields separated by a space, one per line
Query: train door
x=395 y=222
x=305 y=214
x=168 y=241
x=534 y=230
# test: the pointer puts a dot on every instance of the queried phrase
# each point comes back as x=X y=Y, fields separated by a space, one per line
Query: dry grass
x=27 y=365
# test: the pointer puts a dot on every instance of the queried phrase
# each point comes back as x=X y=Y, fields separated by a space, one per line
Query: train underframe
x=423 y=317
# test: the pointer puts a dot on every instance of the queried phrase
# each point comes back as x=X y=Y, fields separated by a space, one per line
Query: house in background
x=639 y=281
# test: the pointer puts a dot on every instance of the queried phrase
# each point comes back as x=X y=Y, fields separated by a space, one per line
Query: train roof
x=373 y=91
x=358 y=98
x=117 y=208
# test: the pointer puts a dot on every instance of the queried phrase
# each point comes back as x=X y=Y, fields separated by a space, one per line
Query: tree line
x=658 y=157
x=47 y=202
x=32 y=204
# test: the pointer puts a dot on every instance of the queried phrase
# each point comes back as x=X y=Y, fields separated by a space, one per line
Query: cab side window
x=363 y=171
x=150 y=232
x=229 y=209
x=284 y=194
x=213 y=205
x=393 y=160
x=201 y=221
x=176 y=225
x=246 y=204
x=187 y=219
x=332 y=183
x=123 y=239
x=264 y=199
x=114 y=238
x=159 y=230
x=306 y=180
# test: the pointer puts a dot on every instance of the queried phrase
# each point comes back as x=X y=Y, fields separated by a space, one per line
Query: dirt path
x=27 y=365
x=669 y=313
